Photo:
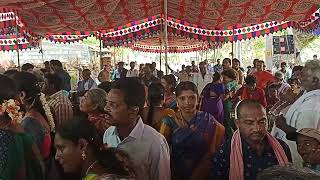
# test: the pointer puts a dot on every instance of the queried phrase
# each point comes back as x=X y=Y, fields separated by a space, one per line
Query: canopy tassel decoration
x=13 y=35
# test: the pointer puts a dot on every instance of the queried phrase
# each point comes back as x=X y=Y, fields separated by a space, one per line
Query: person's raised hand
x=281 y=122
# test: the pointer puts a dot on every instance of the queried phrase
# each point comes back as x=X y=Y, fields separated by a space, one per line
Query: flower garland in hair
x=11 y=107
x=47 y=112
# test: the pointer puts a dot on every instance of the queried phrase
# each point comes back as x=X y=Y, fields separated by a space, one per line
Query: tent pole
x=18 y=55
x=166 y=33
x=100 y=48
x=17 y=33
x=42 y=55
x=206 y=54
x=232 y=52
x=161 y=59
x=161 y=44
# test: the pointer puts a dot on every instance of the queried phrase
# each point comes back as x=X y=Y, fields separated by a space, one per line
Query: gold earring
x=83 y=155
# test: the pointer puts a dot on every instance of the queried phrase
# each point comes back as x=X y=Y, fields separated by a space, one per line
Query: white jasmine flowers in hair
x=47 y=112
x=11 y=107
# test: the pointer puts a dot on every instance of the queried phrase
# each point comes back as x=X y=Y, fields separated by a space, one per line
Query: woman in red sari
x=251 y=91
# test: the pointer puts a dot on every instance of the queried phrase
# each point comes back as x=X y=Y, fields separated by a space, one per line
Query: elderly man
x=279 y=80
x=308 y=142
x=202 y=78
x=305 y=111
x=251 y=149
x=291 y=171
x=87 y=82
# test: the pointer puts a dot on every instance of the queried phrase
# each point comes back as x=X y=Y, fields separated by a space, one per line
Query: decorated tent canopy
x=176 y=44
x=123 y=21
x=12 y=32
x=42 y=16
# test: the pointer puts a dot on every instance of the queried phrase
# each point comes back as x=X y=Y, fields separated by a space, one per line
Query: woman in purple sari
x=211 y=98
x=193 y=135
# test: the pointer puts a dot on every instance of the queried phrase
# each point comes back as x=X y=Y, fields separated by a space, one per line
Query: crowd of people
x=203 y=122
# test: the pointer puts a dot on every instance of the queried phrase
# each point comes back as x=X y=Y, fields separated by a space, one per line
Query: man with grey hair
x=289 y=172
x=202 y=78
x=279 y=80
x=304 y=112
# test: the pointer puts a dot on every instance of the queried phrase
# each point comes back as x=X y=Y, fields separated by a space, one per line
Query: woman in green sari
x=19 y=156
x=80 y=150
x=230 y=81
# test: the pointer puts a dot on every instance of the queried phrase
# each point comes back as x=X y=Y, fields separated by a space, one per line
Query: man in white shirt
x=285 y=71
x=154 y=70
x=132 y=72
x=148 y=149
x=304 y=112
x=202 y=78
x=87 y=82
x=283 y=86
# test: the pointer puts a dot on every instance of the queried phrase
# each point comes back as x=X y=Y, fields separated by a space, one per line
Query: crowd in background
x=204 y=122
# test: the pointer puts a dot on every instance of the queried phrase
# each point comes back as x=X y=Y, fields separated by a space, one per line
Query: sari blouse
x=100 y=121
x=170 y=102
x=35 y=125
x=167 y=112
x=19 y=157
x=192 y=143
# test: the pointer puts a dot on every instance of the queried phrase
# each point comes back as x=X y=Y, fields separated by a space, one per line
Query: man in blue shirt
x=57 y=67
x=218 y=66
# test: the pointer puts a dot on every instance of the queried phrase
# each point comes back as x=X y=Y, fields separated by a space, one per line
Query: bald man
x=251 y=149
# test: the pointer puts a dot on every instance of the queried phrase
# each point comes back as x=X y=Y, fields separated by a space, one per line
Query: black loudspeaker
x=283 y=44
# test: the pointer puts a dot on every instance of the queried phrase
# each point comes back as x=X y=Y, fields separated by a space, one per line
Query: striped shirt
x=61 y=107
